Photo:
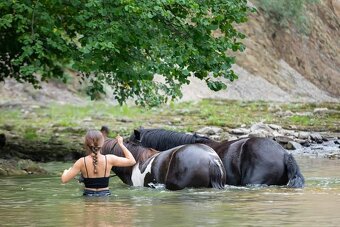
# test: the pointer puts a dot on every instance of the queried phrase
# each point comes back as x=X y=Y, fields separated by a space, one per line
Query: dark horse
x=194 y=165
x=246 y=161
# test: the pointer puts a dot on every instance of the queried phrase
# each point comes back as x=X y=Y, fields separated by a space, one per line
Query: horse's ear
x=137 y=134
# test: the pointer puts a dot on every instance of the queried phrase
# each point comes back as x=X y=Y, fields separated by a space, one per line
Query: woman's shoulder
x=111 y=157
x=80 y=159
x=79 y=163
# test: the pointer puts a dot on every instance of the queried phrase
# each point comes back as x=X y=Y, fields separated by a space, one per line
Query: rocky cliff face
x=272 y=51
x=282 y=64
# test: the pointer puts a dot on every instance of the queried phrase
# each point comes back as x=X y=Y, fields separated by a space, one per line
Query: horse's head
x=135 y=136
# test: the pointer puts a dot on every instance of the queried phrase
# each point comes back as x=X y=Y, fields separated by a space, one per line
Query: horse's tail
x=217 y=174
x=295 y=178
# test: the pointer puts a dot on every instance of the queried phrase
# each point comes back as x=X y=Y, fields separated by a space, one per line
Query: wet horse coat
x=246 y=161
x=194 y=165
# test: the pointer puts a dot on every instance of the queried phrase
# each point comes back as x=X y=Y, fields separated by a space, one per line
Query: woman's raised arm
x=129 y=160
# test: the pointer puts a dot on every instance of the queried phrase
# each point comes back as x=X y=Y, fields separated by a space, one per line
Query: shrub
x=286 y=12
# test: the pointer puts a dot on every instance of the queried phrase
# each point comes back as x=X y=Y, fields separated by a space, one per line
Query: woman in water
x=96 y=167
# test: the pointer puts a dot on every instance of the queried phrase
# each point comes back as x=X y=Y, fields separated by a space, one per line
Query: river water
x=44 y=201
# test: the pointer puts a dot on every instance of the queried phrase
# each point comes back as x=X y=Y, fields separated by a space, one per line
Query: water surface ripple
x=44 y=201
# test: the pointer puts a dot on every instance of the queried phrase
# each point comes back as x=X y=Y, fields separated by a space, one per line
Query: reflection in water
x=44 y=201
x=97 y=212
x=110 y=213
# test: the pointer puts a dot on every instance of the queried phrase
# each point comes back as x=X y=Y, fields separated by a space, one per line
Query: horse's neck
x=124 y=173
x=163 y=139
x=140 y=153
x=142 y=158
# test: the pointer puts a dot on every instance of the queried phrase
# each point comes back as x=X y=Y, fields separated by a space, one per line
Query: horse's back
x=230 y=153
x=262 y=161
x=191 y=165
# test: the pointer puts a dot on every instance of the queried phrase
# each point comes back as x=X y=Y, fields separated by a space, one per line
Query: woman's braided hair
x=93 y=142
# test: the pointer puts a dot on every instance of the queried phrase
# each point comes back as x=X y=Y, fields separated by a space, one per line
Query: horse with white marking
x=194 y=165
x=246 y=161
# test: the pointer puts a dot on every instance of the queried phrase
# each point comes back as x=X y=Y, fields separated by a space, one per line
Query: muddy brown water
x=44 y=201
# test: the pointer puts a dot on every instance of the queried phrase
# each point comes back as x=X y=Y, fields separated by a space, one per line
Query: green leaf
x=216 y=85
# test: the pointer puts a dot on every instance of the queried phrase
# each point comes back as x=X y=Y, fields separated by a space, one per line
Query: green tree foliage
x=286 y=12
x=122 y=43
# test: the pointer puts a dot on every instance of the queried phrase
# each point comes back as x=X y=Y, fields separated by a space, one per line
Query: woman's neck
x=92 y=154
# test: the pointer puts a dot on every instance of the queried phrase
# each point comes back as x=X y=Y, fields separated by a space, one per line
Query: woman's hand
x=129 y=160
x=119 y=140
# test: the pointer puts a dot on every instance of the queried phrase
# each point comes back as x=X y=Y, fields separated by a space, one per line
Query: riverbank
x=54 y=132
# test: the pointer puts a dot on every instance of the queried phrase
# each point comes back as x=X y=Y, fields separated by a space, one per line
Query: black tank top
x=98 y=182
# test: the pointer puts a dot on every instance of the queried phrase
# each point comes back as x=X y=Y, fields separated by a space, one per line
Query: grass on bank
x=68 y=121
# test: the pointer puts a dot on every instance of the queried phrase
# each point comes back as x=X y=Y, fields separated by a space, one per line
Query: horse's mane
x=162 y=139
x=139 y=152
x=108 y=146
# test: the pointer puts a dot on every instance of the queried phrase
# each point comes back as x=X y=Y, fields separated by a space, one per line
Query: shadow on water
x=44 y=201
